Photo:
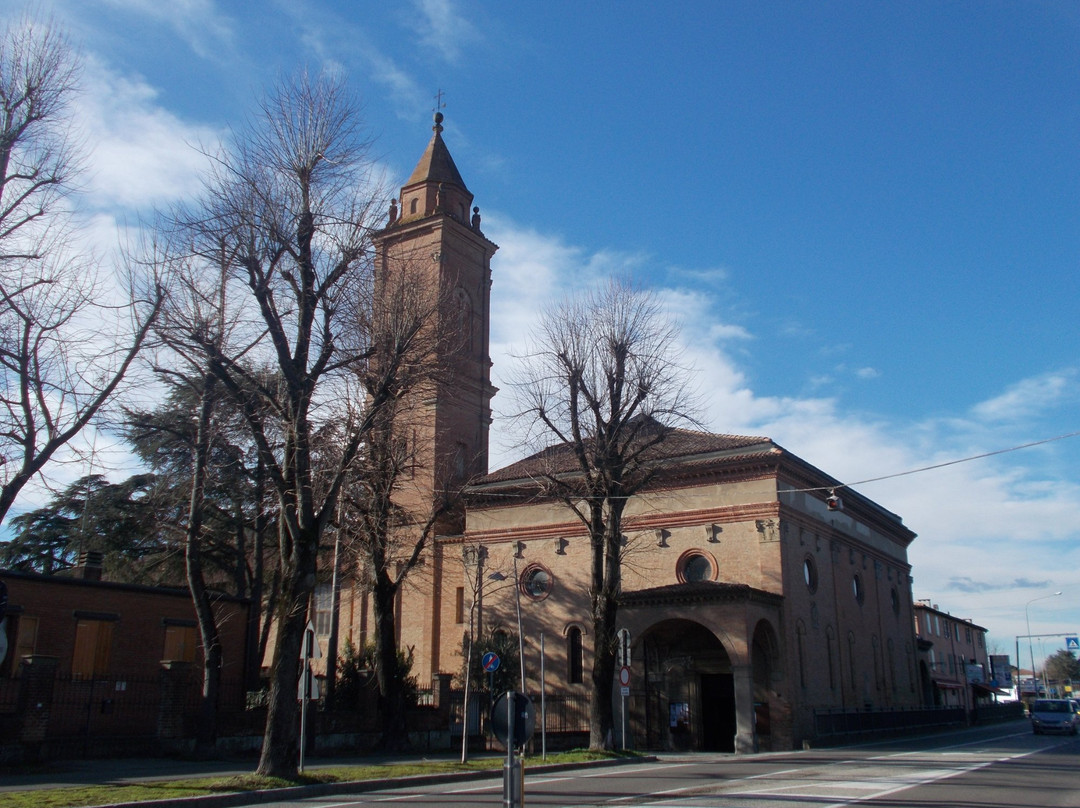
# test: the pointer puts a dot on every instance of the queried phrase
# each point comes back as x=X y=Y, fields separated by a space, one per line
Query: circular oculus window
x=536 y=582
x=695 y=567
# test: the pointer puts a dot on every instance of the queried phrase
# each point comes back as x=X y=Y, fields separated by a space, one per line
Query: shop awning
x=948 y=685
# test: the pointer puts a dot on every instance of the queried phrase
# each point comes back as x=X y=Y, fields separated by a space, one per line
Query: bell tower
x=435 y=231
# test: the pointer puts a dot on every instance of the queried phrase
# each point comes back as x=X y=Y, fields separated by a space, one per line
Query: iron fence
x=562 y=712
x=9 y=695
x=831 y=723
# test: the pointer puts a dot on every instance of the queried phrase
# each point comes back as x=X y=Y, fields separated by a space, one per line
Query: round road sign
x=490 y=661
x=624 y=676
x=524 y=718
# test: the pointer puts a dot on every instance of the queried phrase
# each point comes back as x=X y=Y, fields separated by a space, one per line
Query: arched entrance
x=689 y=689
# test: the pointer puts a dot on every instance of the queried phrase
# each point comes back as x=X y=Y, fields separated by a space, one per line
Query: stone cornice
x=702 y=592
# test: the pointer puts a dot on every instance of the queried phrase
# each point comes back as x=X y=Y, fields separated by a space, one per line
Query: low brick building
x=96 y=628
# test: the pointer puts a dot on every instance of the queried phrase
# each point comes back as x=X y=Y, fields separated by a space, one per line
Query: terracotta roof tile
x=680 y=443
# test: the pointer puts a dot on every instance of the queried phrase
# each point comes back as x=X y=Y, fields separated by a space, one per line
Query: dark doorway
x=718 y=712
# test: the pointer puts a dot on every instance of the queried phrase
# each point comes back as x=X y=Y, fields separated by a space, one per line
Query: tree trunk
x=388 y=672
x=281 y=738
x=608 y=564
x=206 y=733
x=601 y=714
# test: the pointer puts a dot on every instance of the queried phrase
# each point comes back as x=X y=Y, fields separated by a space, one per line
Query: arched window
x=829 y=649
x=891 y=668
x=800 y=639
x=574 y=666
x=876 y=654
x=851 y=661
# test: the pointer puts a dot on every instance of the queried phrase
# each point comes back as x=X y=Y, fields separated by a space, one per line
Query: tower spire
x=432 y=233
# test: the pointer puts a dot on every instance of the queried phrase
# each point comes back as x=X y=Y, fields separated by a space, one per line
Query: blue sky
x=865 y=215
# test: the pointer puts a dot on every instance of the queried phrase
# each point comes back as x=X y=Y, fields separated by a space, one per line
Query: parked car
x=1054 y=715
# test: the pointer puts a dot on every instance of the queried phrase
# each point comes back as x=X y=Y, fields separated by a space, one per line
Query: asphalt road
x=995 y=767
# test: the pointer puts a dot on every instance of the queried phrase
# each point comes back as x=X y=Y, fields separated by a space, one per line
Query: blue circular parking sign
x=490 y=662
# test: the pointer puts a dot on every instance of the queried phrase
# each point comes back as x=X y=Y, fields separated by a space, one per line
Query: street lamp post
x=498 y=576
x=1031 y=648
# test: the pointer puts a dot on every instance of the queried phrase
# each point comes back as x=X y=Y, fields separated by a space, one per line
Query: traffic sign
x=308 y=686
x=490 y=661
x=622 y=648
x=524 y=715
x=310 y=649
x=624 y=676
x=1072 y=644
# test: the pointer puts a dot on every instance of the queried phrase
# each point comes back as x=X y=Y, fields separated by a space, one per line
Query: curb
x=236 y=798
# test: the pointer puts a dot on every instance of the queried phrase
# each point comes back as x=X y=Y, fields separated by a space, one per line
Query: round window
x=536 y=582
x=809 y=574
x=695 y=567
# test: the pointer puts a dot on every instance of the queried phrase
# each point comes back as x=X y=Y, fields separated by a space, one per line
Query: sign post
x=622 y=659
x=513 y=721
x=624 y=690
x=490 y=663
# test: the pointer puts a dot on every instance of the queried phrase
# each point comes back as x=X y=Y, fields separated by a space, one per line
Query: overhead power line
x=940 y=465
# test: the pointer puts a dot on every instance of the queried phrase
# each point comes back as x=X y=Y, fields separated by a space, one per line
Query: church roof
x=436 y=165
x=680 y=443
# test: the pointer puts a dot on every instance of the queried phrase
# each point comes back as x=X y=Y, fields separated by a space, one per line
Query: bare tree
x=280 y=250
x=63 y=350
x=602 y=381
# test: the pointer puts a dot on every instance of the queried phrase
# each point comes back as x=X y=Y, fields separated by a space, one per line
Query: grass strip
x=111 y=793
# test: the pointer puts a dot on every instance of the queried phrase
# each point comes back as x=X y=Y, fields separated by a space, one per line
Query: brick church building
x=750 y=599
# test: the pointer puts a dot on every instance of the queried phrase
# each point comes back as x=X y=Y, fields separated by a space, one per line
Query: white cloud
x=1029 y=397
x=443 y=28
x=207 y=31
x=141 y=154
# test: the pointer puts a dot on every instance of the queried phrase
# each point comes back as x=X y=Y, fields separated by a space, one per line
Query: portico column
x=744 y=709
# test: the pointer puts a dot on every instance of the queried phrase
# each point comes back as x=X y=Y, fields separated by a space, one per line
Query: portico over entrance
x=707 y=668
